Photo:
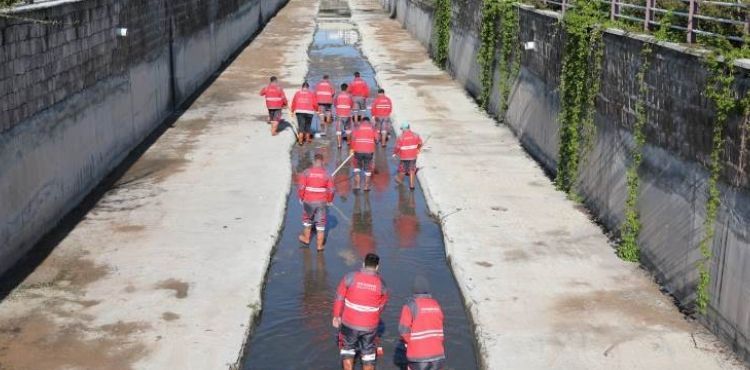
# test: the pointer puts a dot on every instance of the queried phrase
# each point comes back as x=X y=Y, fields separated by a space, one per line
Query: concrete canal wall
x=674 y=173
x=76 y=98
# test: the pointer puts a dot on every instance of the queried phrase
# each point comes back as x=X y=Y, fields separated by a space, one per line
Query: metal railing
x=729 y=18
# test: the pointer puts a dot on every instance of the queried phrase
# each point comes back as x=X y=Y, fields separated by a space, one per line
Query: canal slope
x=540 y=278
x=392 y=221
x=166 y=270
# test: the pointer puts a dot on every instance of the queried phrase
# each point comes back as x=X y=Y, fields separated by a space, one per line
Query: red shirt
x=315 y=185
x=304 y=102
x=359 y=87
x=360 y=299
x=275 y=97
x=344 y=104
x=381 y=106
x=324 y=92
x=421 y=328
x=407 y=146
x=363 y=138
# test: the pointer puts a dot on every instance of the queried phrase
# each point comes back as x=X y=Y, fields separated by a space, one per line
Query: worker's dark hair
x=318 y=157
x=381 y=91
x=305 y=84
x=344 y=87
x=325 y=77
x=356 y=74
x=273 y=78
x=372 y=260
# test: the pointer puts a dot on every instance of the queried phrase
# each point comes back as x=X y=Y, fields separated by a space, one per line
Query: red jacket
x=324 y=92
x=344 y=104
x=360 y=299
x=407 y=146
x=275 y=97
x=381 y=106
x=421 y=328
x=359 y=87
x=315 y=186
x=304 y=102
x=363 y=138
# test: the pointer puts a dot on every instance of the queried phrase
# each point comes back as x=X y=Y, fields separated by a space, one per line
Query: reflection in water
x=294 y=331
x=315 y=293
x=406 y=222
x=362 y=236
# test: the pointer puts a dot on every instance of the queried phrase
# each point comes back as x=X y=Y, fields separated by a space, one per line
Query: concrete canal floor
x=166 y=270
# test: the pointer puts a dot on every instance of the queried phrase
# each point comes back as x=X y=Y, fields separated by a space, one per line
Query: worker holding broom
x=316 y=191
x=407 y=148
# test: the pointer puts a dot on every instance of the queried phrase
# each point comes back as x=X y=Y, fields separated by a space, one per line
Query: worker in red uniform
x=421 y=329
x=344 y=104
x=275 y=102
x=304 y=105
x=381 y=112
x=360 y=92
x=363 y=146
x=407 y=148
x=360 y=299
x=315 y=190
x=324 y=92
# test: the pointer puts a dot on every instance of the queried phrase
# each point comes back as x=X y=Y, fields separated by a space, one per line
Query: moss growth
x=443 y=15
x=579 y=86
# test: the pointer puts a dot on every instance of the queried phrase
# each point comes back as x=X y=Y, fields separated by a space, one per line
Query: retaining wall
x=674 y=172
x=75 y=98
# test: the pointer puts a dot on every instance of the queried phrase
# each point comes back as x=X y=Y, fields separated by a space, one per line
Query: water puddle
x=295 y=330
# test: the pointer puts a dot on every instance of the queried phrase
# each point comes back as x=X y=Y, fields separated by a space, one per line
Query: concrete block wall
x=75 y=98
x=674 y=171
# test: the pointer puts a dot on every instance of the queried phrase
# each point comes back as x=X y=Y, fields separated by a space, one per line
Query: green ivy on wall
x=506 y=12
x=720 y=90
x=629 y=249
x=579 y=86
x=631 y=227
x=443 y=15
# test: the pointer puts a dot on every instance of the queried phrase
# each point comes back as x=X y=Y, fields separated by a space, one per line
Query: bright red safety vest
x=407 y=146
x=359 y=87
x=315 y=185
x=304 y=102
x=421 y=328
x=324 y=92
x=363 y=139
x=360 y=298
x=382 y=106
x=275 y=97
x=344 y=104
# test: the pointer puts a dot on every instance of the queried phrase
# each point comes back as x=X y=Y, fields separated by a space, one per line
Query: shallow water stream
x=294 y=330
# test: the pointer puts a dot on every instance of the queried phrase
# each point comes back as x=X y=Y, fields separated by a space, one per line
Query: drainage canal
x=295 y=330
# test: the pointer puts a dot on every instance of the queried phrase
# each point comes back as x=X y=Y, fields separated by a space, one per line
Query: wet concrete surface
x=392 y=221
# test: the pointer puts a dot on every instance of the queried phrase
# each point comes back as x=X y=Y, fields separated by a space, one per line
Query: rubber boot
x=321 y=240
x=400 y=178
x=348 y=364
x=304 y=238
x=367 y=183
